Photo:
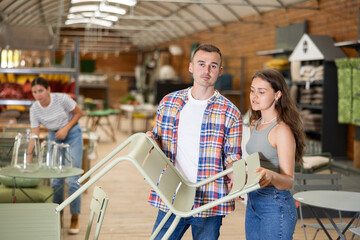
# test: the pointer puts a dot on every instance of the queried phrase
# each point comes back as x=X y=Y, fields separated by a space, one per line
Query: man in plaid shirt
x=199 y=130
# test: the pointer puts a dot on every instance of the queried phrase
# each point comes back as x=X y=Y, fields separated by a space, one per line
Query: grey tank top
x=258 y=142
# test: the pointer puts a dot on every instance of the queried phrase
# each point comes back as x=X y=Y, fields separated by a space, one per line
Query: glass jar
x=47 y=152
x=62 y=159
x=26 y=152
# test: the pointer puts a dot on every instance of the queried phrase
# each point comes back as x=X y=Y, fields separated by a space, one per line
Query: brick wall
x=336 y=18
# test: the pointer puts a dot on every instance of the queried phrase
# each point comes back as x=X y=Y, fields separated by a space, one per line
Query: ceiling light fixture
x=93 y=15
x=111 y=9
x=124 y=2
x=84 y=8
x=95 y=21
x=93 y=8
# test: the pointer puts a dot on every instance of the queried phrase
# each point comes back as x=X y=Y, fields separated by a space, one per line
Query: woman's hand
x=266 y=176
x=61 y=133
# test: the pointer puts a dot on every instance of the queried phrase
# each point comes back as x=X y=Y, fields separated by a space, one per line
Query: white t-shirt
x=188 y=143
x=56 y=115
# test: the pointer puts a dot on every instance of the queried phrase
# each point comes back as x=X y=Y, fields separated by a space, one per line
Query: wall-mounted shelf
x=39 y=70
x=349 y=44
x=274 y=52
x=310 y=106
x=232 y=92
x=51 y=70
x=25 y=102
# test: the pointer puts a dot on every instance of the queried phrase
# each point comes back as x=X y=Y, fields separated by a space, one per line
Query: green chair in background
x=41 y=221
x=163 y=177
x=94 y=118
x=313 y=163
x=309 y=181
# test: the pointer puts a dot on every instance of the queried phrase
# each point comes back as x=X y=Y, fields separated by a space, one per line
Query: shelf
x=95 y=86
x=301 y=83
x=314 y=135
x=16 y=102
x=52 y=70
x=232 y=92
x=349 y=44
x=274 y=52
x=309 y=106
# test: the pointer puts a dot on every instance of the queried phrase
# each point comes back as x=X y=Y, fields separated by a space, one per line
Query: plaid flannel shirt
x=220 y=145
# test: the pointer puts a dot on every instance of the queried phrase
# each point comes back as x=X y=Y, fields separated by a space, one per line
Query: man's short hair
x=207 y=48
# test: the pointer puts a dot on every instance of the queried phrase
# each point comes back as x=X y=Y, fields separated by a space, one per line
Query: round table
x=41 y=173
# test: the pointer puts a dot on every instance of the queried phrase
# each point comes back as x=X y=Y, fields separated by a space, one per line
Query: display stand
x=74 y=72
x=238 y=72
x=317 y=49
x=355 y=45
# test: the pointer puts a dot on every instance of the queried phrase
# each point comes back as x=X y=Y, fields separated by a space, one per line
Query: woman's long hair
x=286 y=108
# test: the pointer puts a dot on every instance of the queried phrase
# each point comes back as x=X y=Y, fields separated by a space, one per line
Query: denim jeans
x=75 y=140
x=202 y=228
x=270 y=214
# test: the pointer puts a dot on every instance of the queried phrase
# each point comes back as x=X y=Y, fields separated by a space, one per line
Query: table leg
x=334 y=224
x=349 y=224
x=319 y=221
x=14 y=190
x=131 y=122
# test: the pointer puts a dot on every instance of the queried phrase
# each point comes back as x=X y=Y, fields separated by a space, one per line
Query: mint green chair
x=355 y=231
x=160 y=173
x=40 y=221
x=98 y=206
x=29 y=221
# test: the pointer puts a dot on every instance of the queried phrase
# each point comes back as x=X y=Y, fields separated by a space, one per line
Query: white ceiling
x=144 y=26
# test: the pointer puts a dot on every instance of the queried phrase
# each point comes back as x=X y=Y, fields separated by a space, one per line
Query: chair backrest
x=252 y=163
x=305 y=182
x=98 y=207
x=161 y=174
x=15 y=129
x=6 y=147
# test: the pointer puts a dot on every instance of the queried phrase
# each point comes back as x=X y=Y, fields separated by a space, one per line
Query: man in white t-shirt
x=200 y=131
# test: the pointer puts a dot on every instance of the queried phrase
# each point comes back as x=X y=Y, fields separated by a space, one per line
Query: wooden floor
x=130 y=217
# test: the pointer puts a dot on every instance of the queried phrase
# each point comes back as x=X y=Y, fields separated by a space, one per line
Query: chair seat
x=99 y=113
x=38 y=194
x=341 y=226
x=355 y=230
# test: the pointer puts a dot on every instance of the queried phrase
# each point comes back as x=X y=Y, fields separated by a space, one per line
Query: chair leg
x=171 y=228
x=100 y=219
x=317 y=230
x=161 y=225
x=88 y=229
x=302 y=221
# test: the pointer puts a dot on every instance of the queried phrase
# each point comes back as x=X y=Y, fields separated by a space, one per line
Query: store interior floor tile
x=129 y=216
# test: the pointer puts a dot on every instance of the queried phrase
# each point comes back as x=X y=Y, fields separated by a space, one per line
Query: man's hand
x=230 y=176
x=151 y=135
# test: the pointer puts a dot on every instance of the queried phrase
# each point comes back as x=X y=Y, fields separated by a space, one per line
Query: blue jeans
x=270 y=214
x=75 y=140
x=202 y=228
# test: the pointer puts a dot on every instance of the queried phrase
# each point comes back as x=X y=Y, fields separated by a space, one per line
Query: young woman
x=277 y=134
x=60 y=114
